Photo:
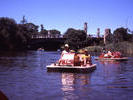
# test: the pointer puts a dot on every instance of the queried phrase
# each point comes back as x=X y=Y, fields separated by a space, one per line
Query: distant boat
x=58 y=50
x=40 y=49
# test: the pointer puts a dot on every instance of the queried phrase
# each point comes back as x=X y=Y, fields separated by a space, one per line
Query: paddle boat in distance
x=114 y=56
x=40 y=49
x=66 y=64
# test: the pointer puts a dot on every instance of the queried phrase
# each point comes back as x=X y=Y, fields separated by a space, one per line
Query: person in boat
x=86 y=58
x=66 y=49
x=108 y=54
x=76 y=59
x=104 y=50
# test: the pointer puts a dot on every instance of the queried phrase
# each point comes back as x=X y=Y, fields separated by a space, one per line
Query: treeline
x=78 y=39
x=15 y=36
x=121 y=40
x=120 y=35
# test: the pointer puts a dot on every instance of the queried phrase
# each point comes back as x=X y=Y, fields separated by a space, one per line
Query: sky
x=64 y=14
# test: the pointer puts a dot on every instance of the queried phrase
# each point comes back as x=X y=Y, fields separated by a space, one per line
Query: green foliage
x=123 y=47
x=94 y=48
x=109 y=38
x=75 y=38
x=32 y=28
x=126 y=48
x=120 y=35
x=8 y=31
x=55 y=33
x=45 y=32
x=15 y=36
x=94 y=41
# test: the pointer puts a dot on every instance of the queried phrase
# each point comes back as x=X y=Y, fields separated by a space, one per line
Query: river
x=23 y=76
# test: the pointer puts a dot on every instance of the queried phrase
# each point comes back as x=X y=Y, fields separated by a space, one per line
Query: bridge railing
x=37 y=36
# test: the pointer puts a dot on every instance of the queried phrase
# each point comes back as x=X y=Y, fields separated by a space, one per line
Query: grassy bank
x=125 y=48
x=94 y=48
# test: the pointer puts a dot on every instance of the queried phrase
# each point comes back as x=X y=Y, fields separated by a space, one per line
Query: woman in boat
x=86 y=58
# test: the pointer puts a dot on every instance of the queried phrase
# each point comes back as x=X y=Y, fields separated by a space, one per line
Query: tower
x=107 y=32
x=98 y=32
x=85 y=27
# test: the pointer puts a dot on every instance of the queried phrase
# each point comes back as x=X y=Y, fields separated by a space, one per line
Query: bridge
x=46 y=43
x=52 y=44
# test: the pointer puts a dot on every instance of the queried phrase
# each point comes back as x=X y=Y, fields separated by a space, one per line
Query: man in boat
x=86 y=58
x=65 y=56
x=66 y=50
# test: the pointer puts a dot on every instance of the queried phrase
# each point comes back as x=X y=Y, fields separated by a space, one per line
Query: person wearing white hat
x=66 y=49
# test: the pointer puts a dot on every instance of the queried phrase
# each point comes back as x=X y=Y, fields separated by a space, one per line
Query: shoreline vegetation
x=14 y=36
x=126 y=48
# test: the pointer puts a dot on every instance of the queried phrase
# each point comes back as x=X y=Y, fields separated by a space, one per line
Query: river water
x=23 y=76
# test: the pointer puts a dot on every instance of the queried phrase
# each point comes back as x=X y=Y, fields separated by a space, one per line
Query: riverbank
x=125 y=48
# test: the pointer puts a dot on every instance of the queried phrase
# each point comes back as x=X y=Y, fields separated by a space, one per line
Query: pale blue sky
x=64 y=14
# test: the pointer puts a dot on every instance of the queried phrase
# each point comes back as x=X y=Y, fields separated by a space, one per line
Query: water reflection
x=68 y=80
x=109 y=62
x=71 y=82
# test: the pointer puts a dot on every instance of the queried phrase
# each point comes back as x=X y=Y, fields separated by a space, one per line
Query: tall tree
x=120 y=35
x=75 y=38
x=109 y=38
x=55 y=33
x=42 y=27
x=8 y=31
x=15 y=36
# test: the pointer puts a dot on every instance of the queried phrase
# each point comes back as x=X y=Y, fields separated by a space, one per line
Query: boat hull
x=114 y=59
x=73 y=69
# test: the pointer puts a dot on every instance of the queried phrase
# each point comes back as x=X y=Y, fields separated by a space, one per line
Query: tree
x=8 y=31
x=120 y=35
x=42 y=28
x=75 y=38
x=15 y=36
x=44 y=32
x=55 y=33
x=109 y=38
x=32 y=27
